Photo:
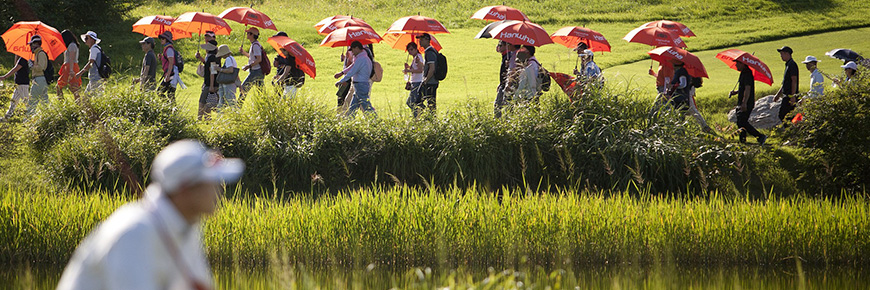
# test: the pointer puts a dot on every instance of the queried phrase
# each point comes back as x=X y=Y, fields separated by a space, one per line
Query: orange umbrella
x=199 y=22
x=346 y=36
x=571 y=36
x=342 y=23
x=418 y=24
x=19 y=34
x=691 y=62
x=655 y=36
x=499 y=13
x=154 y=25
x=248 y=16
x=521 y=32
x=760 y=71
x=675 y=27
x=304 y=61
x=399 y=40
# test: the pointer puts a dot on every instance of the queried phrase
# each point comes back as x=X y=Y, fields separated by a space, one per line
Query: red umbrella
x=567 y=83
x=327 y=20
x=570 y=36
x=342 y=23
x=154 y=25
x=418 y=24
x=199 y=22
x=346 y=36
x=499 y=13
x=304 y=61
x=673 y=26
x=399 y=40
x=692 y=63
x=17 y=37
x=655 y=36
x=248 y=16
x=760 y=71
x=521 y=32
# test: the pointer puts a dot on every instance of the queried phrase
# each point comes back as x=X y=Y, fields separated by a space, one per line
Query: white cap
x=851 y=65
x=810 y=59
x=35 y=38
x=188 y=162
x=92 y=35
x=587 y=52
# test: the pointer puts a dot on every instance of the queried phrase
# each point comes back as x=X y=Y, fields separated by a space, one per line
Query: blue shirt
x=360 y=70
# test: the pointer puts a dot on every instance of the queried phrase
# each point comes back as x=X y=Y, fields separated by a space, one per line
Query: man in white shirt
x=95 y=82
x=817 y=82
x=156 y=242
x=528 y=86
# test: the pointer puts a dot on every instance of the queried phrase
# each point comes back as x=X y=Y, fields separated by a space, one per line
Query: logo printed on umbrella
x=497 y=15
x=163 y=21
x=268 y=23
x=677 y=41
x=360 y=33
x=598 y=37
x=676 y=55
x=686 y=30
x=518 y=36
x=750 y=61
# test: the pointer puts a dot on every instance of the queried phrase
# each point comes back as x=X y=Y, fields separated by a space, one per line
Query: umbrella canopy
x=760 y=71
x=199 y=22
x=521 y=32
x=570 y=36
x=691 y=62
x=844 y=54
x=19 y=34
x=154 y=25
x=399 y=40
x=499 y=13
x=566 y=82
x=327 y=20
x=486 y=32
x=342 y=23
x=346 y=36
x=673 y=26
x=304 y=61
x=655 y=36
x=248 y=16
x=418 y=24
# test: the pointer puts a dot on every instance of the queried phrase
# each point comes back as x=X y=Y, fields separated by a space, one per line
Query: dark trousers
x=743 y=122
x=429 y=92
x=785 y=107
x=166 y=90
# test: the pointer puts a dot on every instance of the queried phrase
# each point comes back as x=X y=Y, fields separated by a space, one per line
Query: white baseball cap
x=92 y=35
x=810 y=59
x=851 y=65
x=188 y=162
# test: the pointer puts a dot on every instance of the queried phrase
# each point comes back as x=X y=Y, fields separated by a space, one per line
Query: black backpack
x=104 y=68
x=440 y=66
x=179 y=60
x=50 y=77
x=543 y=77
x=697 y=82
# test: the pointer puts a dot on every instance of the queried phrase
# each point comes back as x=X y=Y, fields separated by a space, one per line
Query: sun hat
x=253 y=30
x=851 y=65
x=208 y=46
x=810 y=59
x=189 y=162
x=587 y=52
x=35 y=38
x=223 y=50
x=147 y=40
x=166 y=35
x=91 y=34
x=280 y=33
x=786 y=49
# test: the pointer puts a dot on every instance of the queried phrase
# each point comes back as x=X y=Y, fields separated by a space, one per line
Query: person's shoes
x=742 y=140
x=761 y=140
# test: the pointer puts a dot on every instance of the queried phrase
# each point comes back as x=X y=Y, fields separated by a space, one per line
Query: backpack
x=265 y=65
x=104 y=68
x=49 y=70
x=543 y=78
x=377 y=72
x=440 y=66
x=697 y=82
x=297 y=76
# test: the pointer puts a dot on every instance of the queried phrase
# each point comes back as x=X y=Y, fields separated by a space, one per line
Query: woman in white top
x=70 y=66
x=227 y=92
x=415 y=69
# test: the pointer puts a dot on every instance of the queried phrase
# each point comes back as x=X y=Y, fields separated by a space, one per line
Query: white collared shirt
x=126 y=251
x=817 y=84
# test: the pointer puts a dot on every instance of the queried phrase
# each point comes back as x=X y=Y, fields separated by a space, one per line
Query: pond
x=586 y=277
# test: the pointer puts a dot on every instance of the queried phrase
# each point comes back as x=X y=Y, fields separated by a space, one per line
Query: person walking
x=156 y=242
x=169 y=63
x=528 y=86
x=95 y=81
x=590 y=70
x=21 y=73
x=849 y=69
x=208 y=95
x=208 y=37
x=254 y=55
x=508 y=63
x=745 y=103
x=148 y=75
x=39 y=89
x=817 y=81
x=789 y=89
x=227 y=92
x=429 y=90
x=360 y=74
x=414 y=77
x=67 y=74
x=285 y=71
x=680 y=86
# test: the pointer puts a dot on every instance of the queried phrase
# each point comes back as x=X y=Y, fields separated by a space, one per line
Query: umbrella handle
x=735 y=87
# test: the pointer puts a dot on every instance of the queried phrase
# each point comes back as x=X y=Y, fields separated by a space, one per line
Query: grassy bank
x=406 y=227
